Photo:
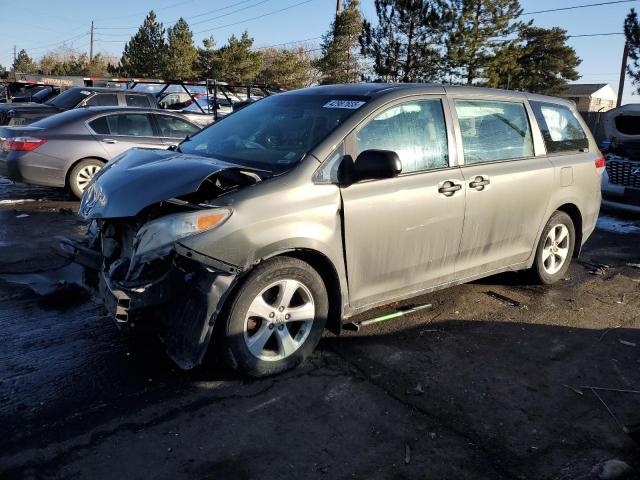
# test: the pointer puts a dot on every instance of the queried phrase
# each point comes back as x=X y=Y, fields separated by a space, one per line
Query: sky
x=41 y=25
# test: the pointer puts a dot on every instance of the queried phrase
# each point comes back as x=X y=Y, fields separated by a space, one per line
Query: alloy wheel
x=85 y=175
x=556 y=249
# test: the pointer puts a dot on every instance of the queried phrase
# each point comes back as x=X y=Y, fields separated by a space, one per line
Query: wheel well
x=327 y=271
x=73 y=165
x=576 y=217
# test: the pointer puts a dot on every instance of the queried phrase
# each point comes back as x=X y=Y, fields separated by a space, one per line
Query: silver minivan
x=292 y=215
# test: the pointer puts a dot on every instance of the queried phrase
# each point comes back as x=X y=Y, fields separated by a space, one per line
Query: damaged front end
x=134 y=261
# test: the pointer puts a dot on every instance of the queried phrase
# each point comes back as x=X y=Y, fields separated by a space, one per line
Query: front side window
x=103 y=100
x=415 y=130
x=560 y=128
x=275 y=133
x=175 y=127
x=137 y=100
x=493 y=131
x=129 y=124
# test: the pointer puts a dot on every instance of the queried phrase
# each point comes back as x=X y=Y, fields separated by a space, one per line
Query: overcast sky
x=39 y=25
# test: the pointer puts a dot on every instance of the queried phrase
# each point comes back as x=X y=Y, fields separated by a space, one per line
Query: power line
x=289 y=43
x=579 y=6
x=595 y=35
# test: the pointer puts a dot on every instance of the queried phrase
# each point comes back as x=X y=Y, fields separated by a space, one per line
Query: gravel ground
x=477 y=387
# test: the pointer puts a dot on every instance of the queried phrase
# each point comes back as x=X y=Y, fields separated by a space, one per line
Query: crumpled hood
x=142 y=177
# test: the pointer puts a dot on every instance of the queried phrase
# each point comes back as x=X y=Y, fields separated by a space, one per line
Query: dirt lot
x=477 y=387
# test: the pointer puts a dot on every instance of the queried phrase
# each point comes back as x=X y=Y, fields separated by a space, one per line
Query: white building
x=591 y=97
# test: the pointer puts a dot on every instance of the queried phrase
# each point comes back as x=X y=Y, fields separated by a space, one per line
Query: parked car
x=37 y=94
x=308 y=207
x=67 y=149
x=620 y=131
x=176 y=100
x=25 y=113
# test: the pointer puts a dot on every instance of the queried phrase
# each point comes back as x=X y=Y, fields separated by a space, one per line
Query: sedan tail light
x=601 y=163
x=22 y=144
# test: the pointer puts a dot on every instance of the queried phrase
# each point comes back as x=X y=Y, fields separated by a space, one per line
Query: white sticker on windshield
x=350 y=104
x=85 y=92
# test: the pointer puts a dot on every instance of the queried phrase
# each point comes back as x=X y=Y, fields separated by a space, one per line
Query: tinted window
x=414 y=130
x=628 y=124
x=493 y=130
x=560 y=128
x=137 y=100
x=103 y=99
x=132 y=124
x=100 y=126
x=174 y=127
x=70 y=98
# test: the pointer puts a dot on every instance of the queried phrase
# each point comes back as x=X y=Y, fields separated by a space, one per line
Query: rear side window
x=174 y=127
x=137 y=100
x=560 y=128
x=415 y=130
x=627 y=124
x=100 y=126
x=103 y=100
x=493 y=131
x=130 y=124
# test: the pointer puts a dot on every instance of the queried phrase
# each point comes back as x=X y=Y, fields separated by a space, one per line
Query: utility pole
x=91 y=44
x=338 y=7
x=623 y=73
x=14 y=54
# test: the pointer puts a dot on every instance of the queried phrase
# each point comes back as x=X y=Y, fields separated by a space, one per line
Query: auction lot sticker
x=350 y=104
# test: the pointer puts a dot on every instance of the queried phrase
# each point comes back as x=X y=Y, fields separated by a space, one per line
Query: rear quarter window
x=100 y=126
x=137 y=100
x=560 y=128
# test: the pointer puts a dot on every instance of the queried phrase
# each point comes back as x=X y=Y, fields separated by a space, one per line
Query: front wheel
x=276 y=318
x=81 y=175
x=555 y=249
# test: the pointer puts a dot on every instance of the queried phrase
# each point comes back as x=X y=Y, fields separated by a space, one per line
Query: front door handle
x=109 y=140
x=448 y=188
x=479 y=183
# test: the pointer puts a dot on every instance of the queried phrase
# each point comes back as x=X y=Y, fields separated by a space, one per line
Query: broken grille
x=620 y=173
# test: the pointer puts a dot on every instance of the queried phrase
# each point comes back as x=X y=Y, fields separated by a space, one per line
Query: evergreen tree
x=339 y=61
x=404 y=46
x=236 y=61
x=632 y=36
x=541 y=62
x=478 y=30
x=23 y=63
x=181 y=53
x=145 y=54
x=288 y=69
x=206 y=58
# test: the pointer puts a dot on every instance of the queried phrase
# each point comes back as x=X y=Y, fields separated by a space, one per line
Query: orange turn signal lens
x=205 y=222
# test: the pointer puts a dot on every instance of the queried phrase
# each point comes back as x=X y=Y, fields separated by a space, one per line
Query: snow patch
x=13 y=202
x=617 y=225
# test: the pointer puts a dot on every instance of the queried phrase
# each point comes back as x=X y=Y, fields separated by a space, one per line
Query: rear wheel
x=555 y=249
x=82 y=173
x=276 y=318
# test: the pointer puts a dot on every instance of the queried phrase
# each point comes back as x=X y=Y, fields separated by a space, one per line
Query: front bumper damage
x=181 y=301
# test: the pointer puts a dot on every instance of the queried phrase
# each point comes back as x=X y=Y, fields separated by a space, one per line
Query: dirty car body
x=330 y=176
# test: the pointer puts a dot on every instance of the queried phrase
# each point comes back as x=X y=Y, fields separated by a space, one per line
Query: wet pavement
x=490 y=383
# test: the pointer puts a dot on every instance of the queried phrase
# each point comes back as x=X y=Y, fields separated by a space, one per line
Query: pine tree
x=206 y=58
x=288 y=69
x=145 y=54
x=181 y=53
x=23 y=63
x=632 y=36
x=236 y=61
x=339 y=62
x=404 y=46
x=478 y=32
x=541 y=62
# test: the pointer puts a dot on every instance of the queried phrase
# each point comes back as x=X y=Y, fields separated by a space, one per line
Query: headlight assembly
x=166 y=230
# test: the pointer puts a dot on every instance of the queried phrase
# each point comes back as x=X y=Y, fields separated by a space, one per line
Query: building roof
x=583 y=89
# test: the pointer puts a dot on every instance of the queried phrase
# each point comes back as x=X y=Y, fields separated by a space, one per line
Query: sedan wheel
x=82 y=173
x=85 y=175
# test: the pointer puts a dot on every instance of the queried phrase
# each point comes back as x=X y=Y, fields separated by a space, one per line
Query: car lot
x=480 y=386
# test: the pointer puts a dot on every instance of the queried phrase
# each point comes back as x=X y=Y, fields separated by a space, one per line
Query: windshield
x=69 y=99
x=274 y=133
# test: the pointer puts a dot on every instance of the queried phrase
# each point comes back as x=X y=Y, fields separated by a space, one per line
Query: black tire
x=235 y=346
x=541 y=270
x=76 y=171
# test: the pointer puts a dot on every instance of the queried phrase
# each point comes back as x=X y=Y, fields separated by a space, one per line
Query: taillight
x=601 y=163
x=22 y=144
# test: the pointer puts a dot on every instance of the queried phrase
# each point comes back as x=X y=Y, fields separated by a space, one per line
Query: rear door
x=173 y=129
x=402 y=234
x=507 y=186
x=118 y=132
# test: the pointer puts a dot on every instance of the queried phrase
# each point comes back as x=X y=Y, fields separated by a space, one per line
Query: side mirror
x=376 y=165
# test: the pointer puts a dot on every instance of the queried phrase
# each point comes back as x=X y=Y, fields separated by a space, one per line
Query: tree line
x=471 y=42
